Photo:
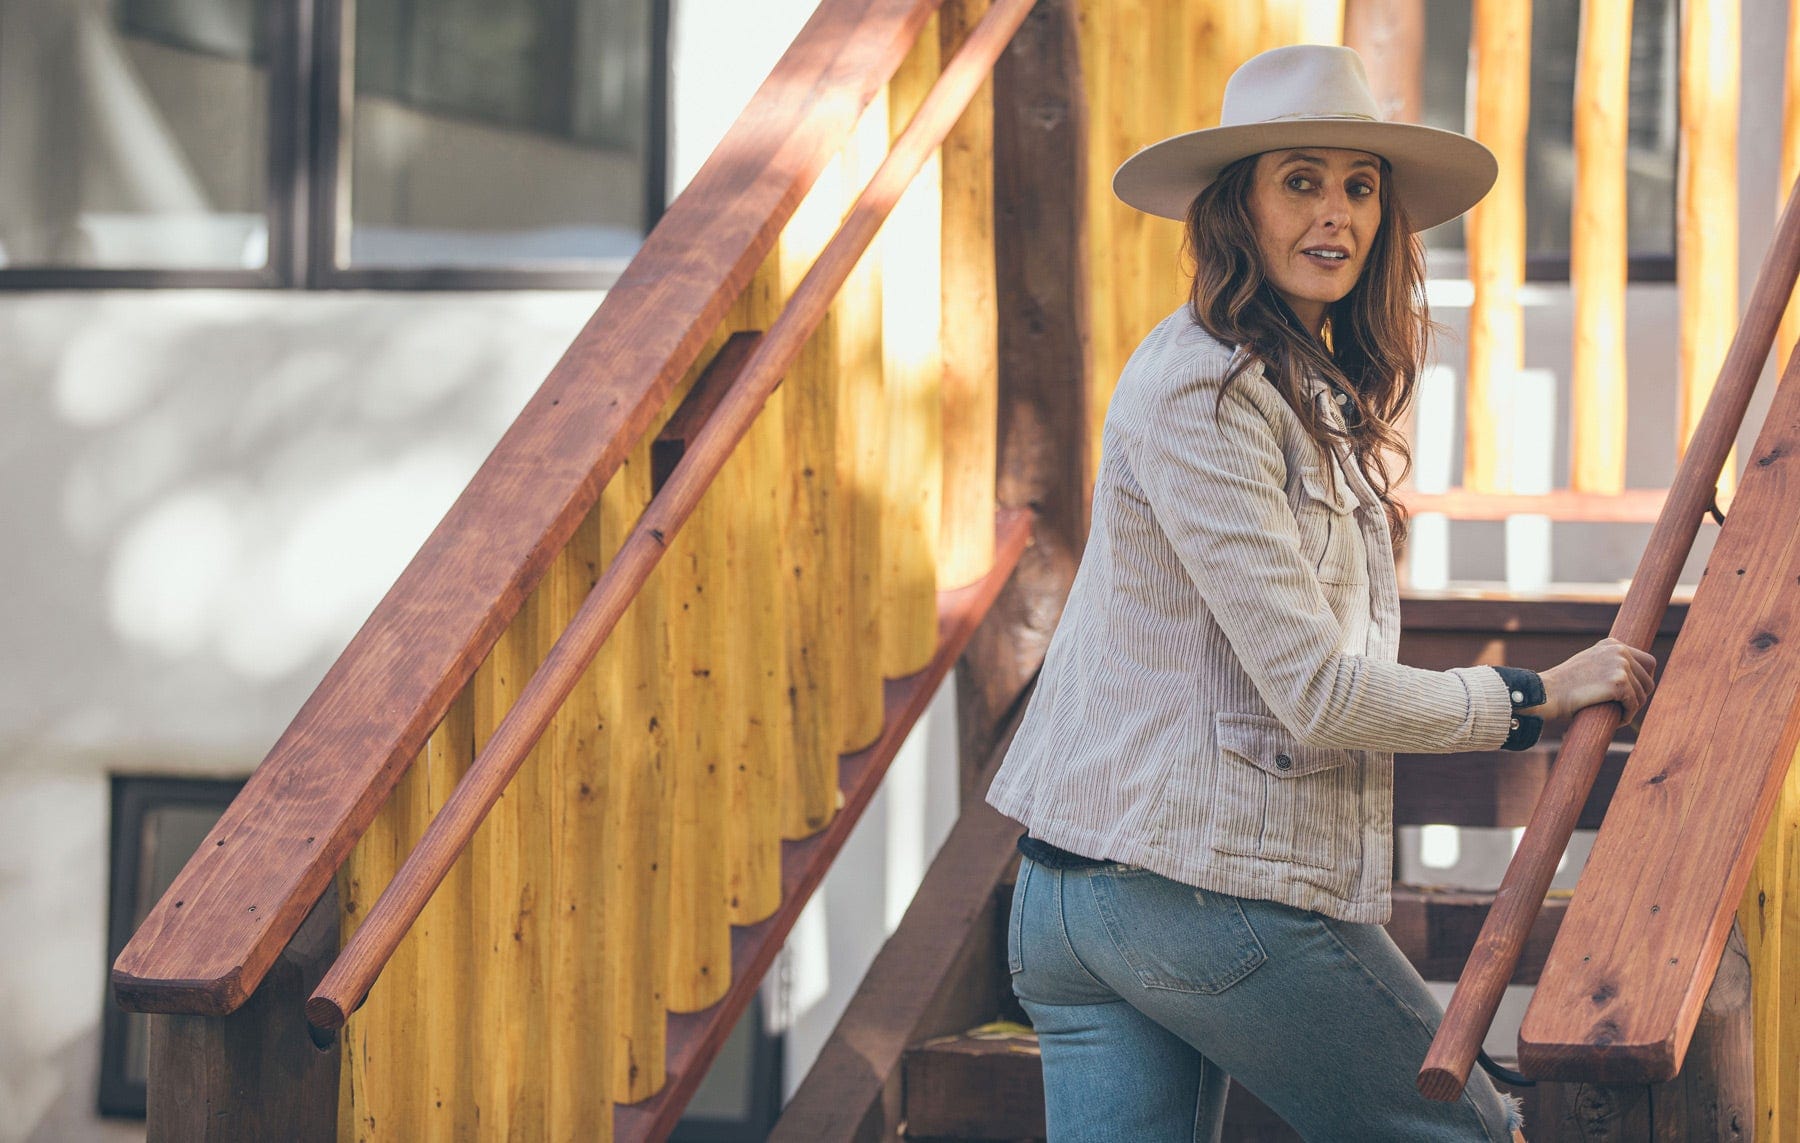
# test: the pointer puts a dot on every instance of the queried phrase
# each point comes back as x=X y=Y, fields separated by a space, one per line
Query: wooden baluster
x=810 y=564
x=909 y=494
x=757 y=473
x=578 y=1099
x=855 y=528
x=641 y=808
x=1707 y=233
x=705 y=738
x=374 y=1099
x=1769 y=917
x=1390 y=37
x=970 y=318
x=1790 y=168
x=510 y=873
x=1098 y=45
x=447 y=1000
x=1501 y=61
x=1597 y=255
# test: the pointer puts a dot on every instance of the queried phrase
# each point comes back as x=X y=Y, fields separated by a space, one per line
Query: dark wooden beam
x=1040 y=150
x=255 y=1074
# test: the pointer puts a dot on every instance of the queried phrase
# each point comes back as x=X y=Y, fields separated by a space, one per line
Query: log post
x=1040 y=124
x=256 y=1073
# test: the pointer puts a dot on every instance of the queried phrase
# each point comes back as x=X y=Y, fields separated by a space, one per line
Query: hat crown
x=1304 y=81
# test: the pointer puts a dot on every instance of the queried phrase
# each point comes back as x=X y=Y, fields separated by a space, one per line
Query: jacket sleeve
x=1217 y=487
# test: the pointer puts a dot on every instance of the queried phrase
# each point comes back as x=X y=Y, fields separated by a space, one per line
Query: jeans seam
x=1062 y=929
x=1375 y=978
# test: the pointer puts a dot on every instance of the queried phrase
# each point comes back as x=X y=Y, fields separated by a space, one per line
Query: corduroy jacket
x=1220 y=702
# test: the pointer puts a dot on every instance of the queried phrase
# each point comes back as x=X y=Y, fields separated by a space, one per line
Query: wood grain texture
x=1390 y=37
x=1046 y=357
x=1769 y=919
x=1597 y=247
x=1706 y=234
x=1657 y=897
x=640 y=806
x=254 y=1074
x=970 y=320
x=1500 y=66
x=1436 y=928
x=1477 y=996
x=446 y=952
x=370 y=716
x=694 y=1039
x=362 y=959
x=912 y=410
x=1790 y=164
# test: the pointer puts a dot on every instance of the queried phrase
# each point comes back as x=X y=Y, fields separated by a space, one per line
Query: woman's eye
x=1299 y=183
x=1362 y=190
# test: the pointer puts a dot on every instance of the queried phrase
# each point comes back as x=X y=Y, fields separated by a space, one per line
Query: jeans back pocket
x=1175 y=936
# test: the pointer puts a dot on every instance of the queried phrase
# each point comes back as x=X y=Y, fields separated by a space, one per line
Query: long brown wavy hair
x=1377 y=337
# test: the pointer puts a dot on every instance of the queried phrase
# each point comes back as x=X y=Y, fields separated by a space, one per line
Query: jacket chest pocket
x=1280 y=800
x=1330 y=537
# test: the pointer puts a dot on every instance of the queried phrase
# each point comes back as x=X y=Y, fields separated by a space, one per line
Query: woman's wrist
x=1525 y=690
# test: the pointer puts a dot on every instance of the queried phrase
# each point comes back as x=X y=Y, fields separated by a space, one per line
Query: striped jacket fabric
x=1221 y=700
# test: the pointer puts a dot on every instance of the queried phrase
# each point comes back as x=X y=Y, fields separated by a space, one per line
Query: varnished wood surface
x=363 y=957
x=1657 y=897
x=322 y=783
x=1045 y=357
x=695 y=1039
x=254 y=1074
x=1630 y=506
x=1500 y=101
x=1477 y=995
x=1706 y=231
x=1598 y=246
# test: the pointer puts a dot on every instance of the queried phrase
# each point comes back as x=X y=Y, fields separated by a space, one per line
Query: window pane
x=134 y=134
x=1550 y=142
x=500 y=132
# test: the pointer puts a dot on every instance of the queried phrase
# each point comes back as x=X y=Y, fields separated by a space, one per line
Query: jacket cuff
x=1490 y=707
x=1524 y=690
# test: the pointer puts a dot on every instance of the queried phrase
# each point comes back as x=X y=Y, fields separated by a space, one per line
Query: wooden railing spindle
x=1500 y=65
x=1597 y=247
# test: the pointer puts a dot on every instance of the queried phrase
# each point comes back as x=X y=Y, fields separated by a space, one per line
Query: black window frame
x=308 y=185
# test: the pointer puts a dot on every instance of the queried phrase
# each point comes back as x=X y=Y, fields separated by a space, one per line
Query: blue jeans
x=1149 y=995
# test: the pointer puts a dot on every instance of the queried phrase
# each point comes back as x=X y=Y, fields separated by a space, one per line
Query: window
x=403 y=143
x=1652 y=131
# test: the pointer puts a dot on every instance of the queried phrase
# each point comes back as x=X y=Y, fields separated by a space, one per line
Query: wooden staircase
x=976 y=1078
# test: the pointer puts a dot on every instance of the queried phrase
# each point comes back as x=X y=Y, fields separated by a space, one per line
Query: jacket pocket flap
x=1269 y=746
x=1327 y=485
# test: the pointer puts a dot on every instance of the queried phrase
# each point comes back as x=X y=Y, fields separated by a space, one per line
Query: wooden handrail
x=774 y=354
x=1490 y=967
x=208 y=942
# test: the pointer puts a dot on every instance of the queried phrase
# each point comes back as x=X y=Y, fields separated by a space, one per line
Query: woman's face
x=1316 y=211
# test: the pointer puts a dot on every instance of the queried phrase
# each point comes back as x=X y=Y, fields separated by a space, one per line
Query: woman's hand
x=1609 y=671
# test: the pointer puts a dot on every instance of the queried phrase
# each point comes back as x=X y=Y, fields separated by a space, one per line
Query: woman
x=1205 y=770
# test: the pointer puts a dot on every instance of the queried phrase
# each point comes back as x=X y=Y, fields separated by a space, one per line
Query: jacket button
x=1283 y=762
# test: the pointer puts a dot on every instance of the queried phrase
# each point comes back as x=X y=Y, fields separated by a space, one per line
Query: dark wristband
x=1525 y=690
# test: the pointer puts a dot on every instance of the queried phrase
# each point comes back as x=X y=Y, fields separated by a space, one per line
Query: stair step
x=1491 y=788
x=976 y=1087
x=1436 y=928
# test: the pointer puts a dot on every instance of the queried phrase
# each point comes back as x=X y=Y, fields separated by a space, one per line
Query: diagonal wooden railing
x=566 y=866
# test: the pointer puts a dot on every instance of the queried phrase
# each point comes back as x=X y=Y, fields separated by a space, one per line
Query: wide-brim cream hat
x=1310 y=95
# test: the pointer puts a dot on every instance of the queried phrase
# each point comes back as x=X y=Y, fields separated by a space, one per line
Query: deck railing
x=581 y=767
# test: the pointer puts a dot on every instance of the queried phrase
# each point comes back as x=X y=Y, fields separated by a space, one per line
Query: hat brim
x=1437 y=174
